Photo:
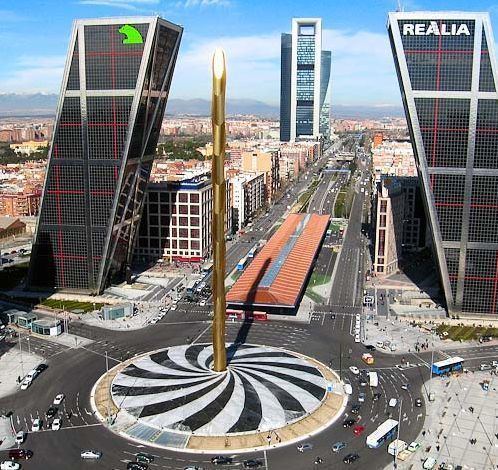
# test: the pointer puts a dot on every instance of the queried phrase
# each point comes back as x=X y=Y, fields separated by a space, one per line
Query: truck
x=374 y=379
x=397 y=446
x=367 y=358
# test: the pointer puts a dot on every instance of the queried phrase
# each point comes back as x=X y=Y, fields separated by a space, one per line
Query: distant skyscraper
x=447 y=72
x=304 y=83
x=114 y=91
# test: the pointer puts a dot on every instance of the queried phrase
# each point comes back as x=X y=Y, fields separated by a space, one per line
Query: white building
x=248 y=195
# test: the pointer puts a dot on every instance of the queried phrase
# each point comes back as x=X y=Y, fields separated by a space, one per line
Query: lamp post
x=219 y=208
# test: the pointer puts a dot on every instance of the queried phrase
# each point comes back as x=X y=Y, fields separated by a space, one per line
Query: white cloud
x=204 y=3
x=34 y=74
x=362 y=67
x=124 y=4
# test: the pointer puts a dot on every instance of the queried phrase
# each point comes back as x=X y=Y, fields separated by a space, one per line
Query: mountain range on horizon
x=44 y=104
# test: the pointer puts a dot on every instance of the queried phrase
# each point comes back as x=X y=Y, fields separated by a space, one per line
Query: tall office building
x=304 y=82
x=447 y=72
x=114 y=91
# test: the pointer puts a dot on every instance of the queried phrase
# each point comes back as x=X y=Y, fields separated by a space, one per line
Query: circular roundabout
x=267 y=396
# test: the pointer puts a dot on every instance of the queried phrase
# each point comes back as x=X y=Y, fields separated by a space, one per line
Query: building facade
x=266 y=162
x=20 y=204
x=248 y=196
x=176 y=222
x=304 y=83
x=114 y=91
x=447 y=73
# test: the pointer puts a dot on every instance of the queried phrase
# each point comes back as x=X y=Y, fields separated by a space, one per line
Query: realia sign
x=435 y=29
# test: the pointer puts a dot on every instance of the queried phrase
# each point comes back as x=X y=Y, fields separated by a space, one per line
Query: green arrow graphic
x=132 y=34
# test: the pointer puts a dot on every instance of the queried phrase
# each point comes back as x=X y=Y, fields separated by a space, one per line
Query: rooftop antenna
x=400 y=6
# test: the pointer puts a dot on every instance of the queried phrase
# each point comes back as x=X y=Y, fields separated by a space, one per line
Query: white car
x=25 y=384
x=20 y=437
x=56 y=425
x=354 y=370
x=91 y=454
x=173 y=307
x=393 y=402
x=9 y=465
x=59 y=399
x=348 y=390
x=202 y=303
x=36 y=426
x=357 y=338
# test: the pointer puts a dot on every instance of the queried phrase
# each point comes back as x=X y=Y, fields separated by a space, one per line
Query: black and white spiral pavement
x=175 y=389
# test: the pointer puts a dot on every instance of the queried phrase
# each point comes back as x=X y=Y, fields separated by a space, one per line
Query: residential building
x=393 y=157
x=11 y=227
x=114 y=91
x=176 y=222
x=20 y=204
x=304 y=85
x=446 y=67
x=248 y=196
x=266 y=162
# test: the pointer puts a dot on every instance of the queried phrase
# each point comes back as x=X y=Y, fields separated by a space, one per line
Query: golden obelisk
x=219 y=209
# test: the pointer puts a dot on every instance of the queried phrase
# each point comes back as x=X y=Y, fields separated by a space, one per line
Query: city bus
x=385 y=432
x=207 y=268
x=451 y=364
x=242 y=264
x=252 y=251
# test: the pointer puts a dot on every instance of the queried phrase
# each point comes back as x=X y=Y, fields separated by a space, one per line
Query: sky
x=34 y=35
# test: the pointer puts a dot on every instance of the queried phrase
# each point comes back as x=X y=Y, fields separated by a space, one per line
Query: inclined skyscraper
x=114 y=90
x=446 y=68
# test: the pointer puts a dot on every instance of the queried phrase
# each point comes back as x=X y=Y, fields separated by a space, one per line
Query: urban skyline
x=364 y=72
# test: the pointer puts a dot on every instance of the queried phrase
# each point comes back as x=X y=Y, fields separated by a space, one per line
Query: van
x=429 y=463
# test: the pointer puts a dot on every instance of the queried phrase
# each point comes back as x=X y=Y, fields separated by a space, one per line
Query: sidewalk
x=460 y=425
x=7 y=437
x=11 y=368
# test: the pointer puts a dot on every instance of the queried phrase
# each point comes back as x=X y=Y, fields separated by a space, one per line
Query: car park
x=221 y=460
x=305 y=447
x=91 y=454
x=144 y=457
x=338 y=446
x=20 y=436
x=9 y=465
x=350 y=458
x=58 y=399
x=56 y=424
x=36 y=425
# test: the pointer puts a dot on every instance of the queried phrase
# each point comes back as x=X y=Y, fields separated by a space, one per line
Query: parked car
x=305 y=447
x=58 y=399
x=413 y=446
x=338 y=446
x=41 y=367
x=37 y=424
x=20 y=454
x=20 y=436
x=56 y=424
x=348 y=390
x=253 y=463
x=405 y=386
x=221 y=460
x=9 y=465
x=51 y=412
x=136 y=466
x=358 y=430
x=485 y=367
x=350 y=458
x=25 y=384
x=91 y=454
x=347 y=423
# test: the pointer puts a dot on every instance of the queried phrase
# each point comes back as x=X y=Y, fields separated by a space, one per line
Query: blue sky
x=34 y=36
